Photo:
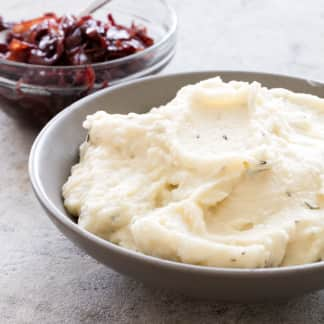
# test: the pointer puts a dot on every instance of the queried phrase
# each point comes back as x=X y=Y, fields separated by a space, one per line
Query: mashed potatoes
x=226 y=174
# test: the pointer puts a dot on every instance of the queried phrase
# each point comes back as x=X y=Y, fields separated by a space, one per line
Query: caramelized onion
x=68 y=40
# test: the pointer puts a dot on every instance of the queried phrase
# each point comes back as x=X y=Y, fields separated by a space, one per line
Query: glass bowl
x=43 y=91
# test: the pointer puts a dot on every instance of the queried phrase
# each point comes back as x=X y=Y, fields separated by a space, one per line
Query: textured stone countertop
x=44 y=278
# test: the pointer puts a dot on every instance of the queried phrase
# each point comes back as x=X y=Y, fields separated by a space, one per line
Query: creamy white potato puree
x=226 y=174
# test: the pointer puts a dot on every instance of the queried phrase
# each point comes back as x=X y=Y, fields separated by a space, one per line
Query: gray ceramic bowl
x=56 y=150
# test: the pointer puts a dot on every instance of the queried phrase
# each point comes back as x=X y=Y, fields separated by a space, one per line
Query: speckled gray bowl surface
x=56 y=149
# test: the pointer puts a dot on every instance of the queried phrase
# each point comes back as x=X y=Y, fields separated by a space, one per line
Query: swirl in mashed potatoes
x=226 y=174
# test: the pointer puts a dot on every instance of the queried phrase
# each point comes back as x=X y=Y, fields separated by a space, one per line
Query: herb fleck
x=197 y=136
x=114 y=218
x=288 y=193
x=311 y=206
x=225 y=137
x=243 y=253
x=233 y=260
x=262 y=162
x=297 y=221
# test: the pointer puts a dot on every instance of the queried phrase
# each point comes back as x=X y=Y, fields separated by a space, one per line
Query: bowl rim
x=113 y=63
x=50 y=207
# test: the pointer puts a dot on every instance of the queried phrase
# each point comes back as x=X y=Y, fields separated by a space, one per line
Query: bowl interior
x=56 y=148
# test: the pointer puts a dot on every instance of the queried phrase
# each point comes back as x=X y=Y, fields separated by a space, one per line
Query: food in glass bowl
x=68 y=40
x=46 y=63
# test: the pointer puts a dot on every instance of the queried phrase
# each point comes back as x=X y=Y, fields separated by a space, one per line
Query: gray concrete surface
x=45 y=279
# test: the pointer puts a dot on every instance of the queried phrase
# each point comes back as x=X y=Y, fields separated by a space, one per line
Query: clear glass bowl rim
x=170 y=33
